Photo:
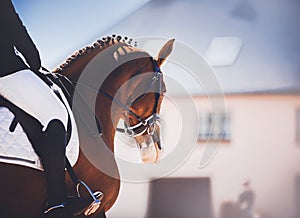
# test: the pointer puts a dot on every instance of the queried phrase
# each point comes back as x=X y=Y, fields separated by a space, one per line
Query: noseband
x=149 y=125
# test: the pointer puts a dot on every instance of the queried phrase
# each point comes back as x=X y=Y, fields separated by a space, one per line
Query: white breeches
x=27 y=91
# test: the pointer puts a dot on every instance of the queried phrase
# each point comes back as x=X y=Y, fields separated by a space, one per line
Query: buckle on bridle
x=151 y=129
x=129 y=132
x=157 y=76
x=144 y=122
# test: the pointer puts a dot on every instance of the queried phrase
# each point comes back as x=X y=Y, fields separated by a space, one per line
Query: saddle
x=17 y=143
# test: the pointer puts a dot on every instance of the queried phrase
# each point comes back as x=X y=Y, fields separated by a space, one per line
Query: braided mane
x=99 y=44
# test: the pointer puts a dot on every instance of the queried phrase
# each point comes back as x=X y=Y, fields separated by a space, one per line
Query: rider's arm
x=20 y=36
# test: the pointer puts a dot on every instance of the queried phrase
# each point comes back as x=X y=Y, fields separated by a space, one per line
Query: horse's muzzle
x=150 y=147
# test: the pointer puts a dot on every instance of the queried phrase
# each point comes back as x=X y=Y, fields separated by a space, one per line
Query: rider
x=21 y=86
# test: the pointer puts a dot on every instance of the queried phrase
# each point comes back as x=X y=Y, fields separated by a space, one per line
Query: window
x=214 y=127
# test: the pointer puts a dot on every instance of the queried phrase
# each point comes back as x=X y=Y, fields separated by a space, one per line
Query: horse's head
x=142 y=121
x=134 y=82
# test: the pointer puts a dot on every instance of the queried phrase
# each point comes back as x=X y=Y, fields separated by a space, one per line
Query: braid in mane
x=99 y=44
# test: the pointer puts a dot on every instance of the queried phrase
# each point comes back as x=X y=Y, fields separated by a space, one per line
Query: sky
x=269 y=32
x=59 y=28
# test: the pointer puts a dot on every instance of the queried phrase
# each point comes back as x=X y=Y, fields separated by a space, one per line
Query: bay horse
x=22 y=189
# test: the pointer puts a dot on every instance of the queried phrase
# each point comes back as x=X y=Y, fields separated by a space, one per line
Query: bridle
x=150 y=123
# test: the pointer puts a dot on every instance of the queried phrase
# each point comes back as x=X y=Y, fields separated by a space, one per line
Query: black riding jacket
x=14 y=35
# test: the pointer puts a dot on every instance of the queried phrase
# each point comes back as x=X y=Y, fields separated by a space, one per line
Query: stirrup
x=96 y=196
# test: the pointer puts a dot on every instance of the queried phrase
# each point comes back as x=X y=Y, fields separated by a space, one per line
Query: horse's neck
x=103 y=106
x=74 y=69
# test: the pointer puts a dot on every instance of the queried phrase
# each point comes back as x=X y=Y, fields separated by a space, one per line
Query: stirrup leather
x=96 y=196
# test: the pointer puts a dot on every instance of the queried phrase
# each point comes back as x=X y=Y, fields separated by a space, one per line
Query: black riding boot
x=52 y=154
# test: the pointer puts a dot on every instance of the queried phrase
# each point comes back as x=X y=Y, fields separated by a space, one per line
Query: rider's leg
x=52 y=154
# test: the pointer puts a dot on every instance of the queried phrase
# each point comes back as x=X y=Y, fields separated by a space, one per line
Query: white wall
x=262 y=148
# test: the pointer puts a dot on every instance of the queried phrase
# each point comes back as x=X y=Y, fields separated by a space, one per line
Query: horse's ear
x=165 y=52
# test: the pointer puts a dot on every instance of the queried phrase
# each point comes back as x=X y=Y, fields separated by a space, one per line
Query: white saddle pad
x=16 y=149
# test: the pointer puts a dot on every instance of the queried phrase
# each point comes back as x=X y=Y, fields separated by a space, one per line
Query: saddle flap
x=15 y=148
